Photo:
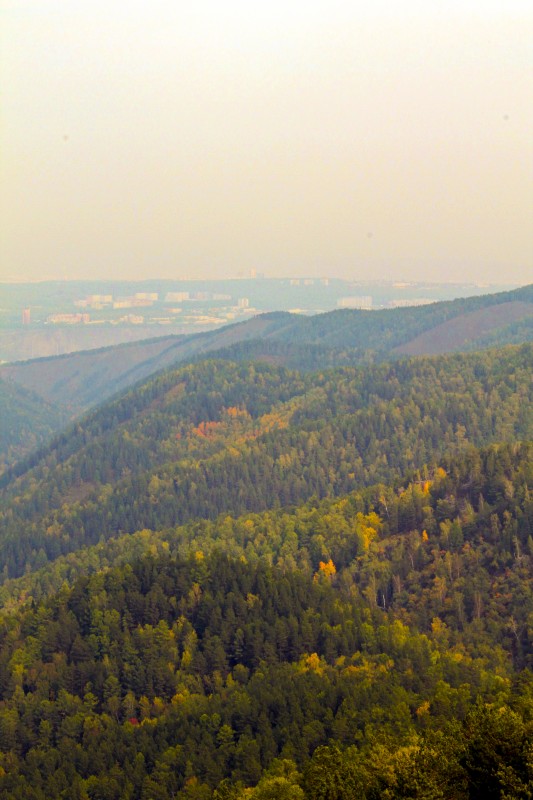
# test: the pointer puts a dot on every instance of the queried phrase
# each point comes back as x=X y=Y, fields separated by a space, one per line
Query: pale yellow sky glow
x=173 y=139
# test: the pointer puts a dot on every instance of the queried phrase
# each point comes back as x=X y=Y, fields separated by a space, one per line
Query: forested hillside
x=223 y=437
x=241 y=581
x=26 y=421
x=375 y=645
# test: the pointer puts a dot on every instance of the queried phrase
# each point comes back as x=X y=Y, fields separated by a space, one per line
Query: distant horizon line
x=367 y=281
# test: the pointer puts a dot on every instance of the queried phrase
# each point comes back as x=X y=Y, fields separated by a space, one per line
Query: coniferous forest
x=247 y=580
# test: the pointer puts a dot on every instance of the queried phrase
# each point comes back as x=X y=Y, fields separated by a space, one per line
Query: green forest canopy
x=242 y=581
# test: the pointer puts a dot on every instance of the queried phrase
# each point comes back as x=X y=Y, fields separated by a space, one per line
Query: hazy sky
x=363 y=139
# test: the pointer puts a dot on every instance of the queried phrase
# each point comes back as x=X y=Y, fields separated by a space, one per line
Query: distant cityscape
x=206 y=308
x=187 y=314
x=164 y=311
x=52 y=317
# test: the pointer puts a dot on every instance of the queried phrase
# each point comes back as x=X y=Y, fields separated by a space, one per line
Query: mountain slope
x=467 y=329
x=222 y=437
x=84 y=379
x=26 y=422
x=471 y=506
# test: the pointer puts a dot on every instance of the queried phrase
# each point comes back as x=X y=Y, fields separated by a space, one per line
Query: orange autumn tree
x=327 y=569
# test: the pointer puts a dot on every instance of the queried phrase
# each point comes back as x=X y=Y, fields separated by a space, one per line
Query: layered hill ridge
x=219 y=436
x=81 y=380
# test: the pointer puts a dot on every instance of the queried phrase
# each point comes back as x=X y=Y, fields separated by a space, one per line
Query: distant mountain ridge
x=81 y=380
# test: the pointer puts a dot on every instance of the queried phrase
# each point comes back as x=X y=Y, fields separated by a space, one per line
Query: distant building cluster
x=132 y=319
x=95 y=301
x=177 y=297
x=196 y=310
x=68 y=319
x=182 y=297
x=133 y=302
x=101 y=301
x=151 y=296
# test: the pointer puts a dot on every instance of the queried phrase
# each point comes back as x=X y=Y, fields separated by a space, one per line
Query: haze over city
x=207 y=139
